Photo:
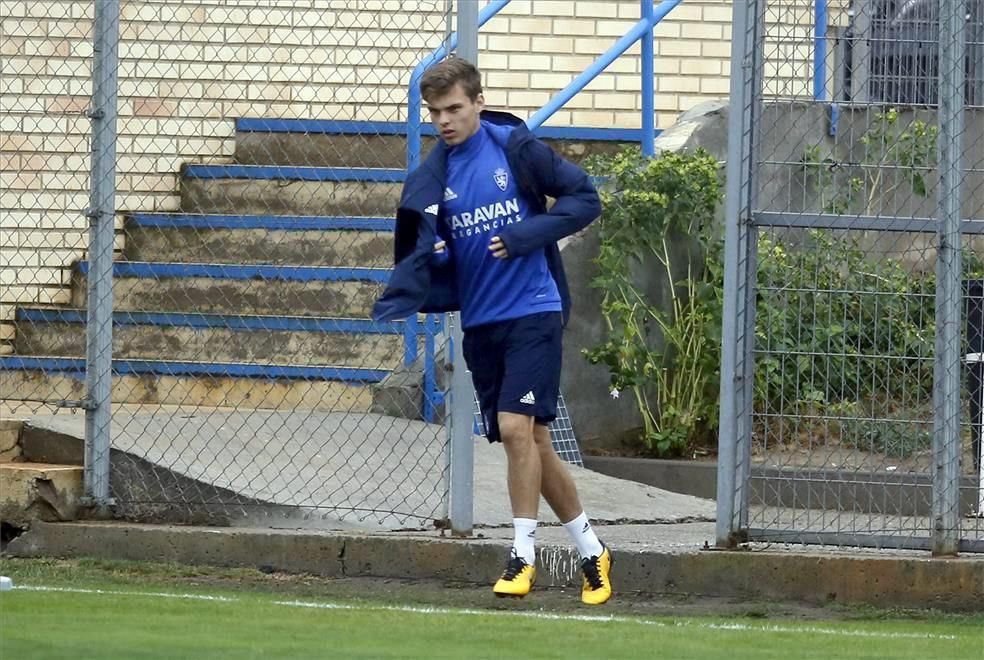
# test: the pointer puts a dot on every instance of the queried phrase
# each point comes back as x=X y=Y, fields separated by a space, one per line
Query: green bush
x=834 y=326
x=665 y=356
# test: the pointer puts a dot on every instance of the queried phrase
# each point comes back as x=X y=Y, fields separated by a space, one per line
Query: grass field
x=115 y=610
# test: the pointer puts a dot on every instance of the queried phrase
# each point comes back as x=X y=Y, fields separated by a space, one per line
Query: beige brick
x=617 y=101
x=517 y=80
x=527 y=99
x=573 y=28
x=547 y=80
x=717 y=14
x=159 y=69
x=679 y=47
x=712 y=31
x=10 y=86
x=12 y=46
x=552 y=45
x=154 y=107
x=248 y=35
x=16 y=294
x=553 y=7
x=612 y=29
x=686 y=12
x=529 y=62
x=510 y=43
x=703 y=67
x=20 y=27
x=25 y=66
x=55 y=296
x=719 y=86
x=592 y=118
x=518 y=7
x=182 y=51
x=70 y=29
x=531 y=25
x=678 y=84
x=628 y=83
x=67 y=104
x=596 y=8
x=667 y=30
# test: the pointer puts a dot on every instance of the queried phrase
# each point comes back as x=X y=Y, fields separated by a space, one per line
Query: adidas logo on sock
x=449 y=195
x=586 y=527
x=528 y=398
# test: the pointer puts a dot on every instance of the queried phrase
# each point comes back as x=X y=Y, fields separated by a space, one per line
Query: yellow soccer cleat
x=516 y=580
x=597 y=587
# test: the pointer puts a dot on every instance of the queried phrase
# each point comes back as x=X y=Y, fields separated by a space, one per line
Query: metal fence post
x=101 y=213
x=946 y=389
x=737 y=201
x=462 y=440
x=648 y=84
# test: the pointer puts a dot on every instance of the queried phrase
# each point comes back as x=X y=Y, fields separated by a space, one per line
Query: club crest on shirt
x=501 y=179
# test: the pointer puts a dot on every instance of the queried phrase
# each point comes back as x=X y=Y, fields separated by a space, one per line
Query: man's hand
x=439 y=246
x=498 y=248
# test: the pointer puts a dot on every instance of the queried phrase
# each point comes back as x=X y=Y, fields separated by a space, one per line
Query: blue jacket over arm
x=419 y=284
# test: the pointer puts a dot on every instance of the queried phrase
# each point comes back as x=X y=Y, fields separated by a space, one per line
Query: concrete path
x=351 y=465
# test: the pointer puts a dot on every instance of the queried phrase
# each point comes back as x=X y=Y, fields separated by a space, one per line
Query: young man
x=473 y=233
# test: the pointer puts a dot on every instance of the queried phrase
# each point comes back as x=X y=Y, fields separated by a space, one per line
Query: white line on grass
x=740 y=627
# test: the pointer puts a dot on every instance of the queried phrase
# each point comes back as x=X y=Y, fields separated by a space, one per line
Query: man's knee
x=515 y=430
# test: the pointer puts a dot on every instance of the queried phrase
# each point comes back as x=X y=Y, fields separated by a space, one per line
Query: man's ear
x=480 y=102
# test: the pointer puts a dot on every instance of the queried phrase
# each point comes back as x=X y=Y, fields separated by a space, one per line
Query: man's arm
x=577 y=203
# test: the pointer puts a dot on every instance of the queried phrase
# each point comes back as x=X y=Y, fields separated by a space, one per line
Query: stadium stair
x=257 y=292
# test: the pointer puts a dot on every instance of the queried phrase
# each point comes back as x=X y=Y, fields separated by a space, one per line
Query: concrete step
x=283 y=240
x=327 y=143
x=39 y=491
x=10 y=432
x=239 y=289
x=217 y=338
x=197 y=384
x=276 y=190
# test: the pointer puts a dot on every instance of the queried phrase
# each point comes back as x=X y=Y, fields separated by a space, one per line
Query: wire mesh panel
x=267 y=144
x=261 y=151
x=849 y=427
x=45 y=91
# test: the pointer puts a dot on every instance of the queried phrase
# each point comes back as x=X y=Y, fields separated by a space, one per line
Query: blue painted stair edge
x=75 y=367
x=351 y=127
x=157 y=270
x=269 y=222
x=294 y=173
x=219 y=321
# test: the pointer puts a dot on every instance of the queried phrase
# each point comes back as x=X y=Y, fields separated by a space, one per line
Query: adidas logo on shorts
x=528 y=398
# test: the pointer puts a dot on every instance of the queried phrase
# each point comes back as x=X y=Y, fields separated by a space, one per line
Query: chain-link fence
x=854 y=246
x=46 y=88
x=260 y=150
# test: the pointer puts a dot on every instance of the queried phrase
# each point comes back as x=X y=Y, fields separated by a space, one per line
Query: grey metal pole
x=946 y=388
x=737 y=207
x=101 y=213
x=462 y=391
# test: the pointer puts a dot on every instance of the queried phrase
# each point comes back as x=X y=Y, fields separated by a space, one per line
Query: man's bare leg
x=523 y=458
x=556 y=483
x=523 y=461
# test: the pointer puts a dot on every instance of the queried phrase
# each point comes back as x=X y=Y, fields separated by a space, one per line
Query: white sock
x=587 y=542
x=523 y=542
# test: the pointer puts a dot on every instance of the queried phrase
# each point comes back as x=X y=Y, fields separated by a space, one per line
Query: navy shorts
x=515 y=366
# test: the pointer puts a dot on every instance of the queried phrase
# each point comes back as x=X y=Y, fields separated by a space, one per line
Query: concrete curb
x=883 y=581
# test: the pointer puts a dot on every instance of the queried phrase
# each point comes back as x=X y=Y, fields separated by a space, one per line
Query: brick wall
x=187 y=70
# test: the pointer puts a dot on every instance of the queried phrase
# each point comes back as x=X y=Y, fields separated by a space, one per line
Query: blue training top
x=480 y=199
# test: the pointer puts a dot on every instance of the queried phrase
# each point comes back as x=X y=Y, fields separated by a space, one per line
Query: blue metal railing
x=415 y=102
x=651 y=14
x=643 y=30
x=819 y=50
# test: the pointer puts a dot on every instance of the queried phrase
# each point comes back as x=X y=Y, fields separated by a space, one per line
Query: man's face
x=455 y=116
